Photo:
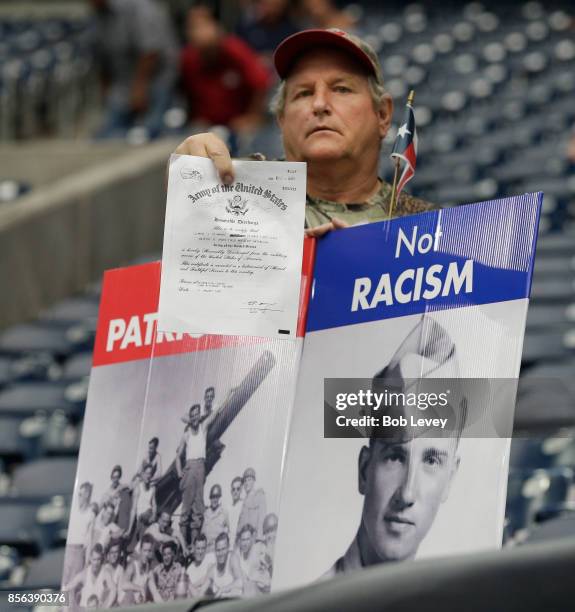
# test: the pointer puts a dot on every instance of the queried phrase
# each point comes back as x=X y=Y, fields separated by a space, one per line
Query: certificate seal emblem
x=191 y=174
x=237 y=206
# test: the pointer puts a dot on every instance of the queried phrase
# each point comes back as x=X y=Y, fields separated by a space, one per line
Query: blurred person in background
x=268 y=23
x=324 y=14
x=136 y=52
x=224 y=81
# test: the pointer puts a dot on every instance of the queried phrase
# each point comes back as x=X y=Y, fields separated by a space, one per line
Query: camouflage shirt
x=318 y=211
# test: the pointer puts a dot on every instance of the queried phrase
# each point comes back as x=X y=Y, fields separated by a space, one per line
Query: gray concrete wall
x=65 y=233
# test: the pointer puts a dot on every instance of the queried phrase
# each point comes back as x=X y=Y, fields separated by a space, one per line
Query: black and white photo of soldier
x=114 y=567
x=105 y=529
x=138 y=555
x=192 y=472
x=404 y=478
x=254 y=506
x=113 y=494
x=137 y=574
x=209 y=396
x=253 y=562
x=270 y=530
x=152 y=459
x=216 y=518
x=143 y=511
x=225 y=575
x=198 y=570
x=79 y=533
x=235 y=508
x=167 y=578
x=161 y=531
x=98 y=588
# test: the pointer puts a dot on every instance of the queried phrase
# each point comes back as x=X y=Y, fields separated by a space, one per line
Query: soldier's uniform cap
x=250 y=472
x=216 y=491
x=290 y=49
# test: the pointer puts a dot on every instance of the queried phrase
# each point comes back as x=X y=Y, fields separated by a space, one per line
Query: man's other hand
x=211 y=146
x=321 y=230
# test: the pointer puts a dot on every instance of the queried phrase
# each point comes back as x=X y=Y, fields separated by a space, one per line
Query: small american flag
x=405 y=147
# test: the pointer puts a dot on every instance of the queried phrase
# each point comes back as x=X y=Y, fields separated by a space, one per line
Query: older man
x=333 y=112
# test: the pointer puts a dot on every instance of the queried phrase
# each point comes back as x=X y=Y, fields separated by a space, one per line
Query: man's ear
x=452 y=473
x=385 y=113
x=362 y=466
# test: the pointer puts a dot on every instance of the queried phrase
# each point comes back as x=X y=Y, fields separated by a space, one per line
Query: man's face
x=152 y=448
x=209 y=397
x=167 y=556
x=246 y=540
x=221 y=550
x=329 y=113
x=270 y=530
x=107 y=515
x=164 y=521
x=195 y=416
x=113 y=555
x=115 y=477
x=403 y=485
x=84 y=496
x=147 y=552
x=236 y=490
x=200 y=550
x=202 y=29
x=96 y=561
x=249 y=483
x=214 y=501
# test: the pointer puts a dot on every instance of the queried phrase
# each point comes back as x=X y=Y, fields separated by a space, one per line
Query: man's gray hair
x=277 y=103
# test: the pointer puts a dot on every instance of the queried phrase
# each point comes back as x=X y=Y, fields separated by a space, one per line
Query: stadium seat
x=18 y=526
x=552 y=290
x=45 y=478
x=13 y=445
x=46 y=571
x=34 y=337
x=28 y=399
x=551 y=316
x=77 y=366
x=72 y=311
x=543 y=406
x=9 y=560
x=559 y=528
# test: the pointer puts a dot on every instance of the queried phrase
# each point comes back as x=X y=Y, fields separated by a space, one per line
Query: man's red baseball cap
x=290 y=49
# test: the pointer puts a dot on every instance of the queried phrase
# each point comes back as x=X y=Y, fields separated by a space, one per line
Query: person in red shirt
x=224 y=80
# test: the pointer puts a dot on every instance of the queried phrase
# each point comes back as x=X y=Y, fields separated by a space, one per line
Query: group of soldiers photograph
x=124 y=547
